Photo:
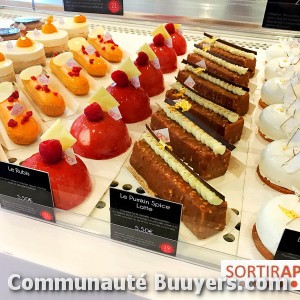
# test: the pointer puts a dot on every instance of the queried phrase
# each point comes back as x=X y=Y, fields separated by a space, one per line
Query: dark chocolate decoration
x=203 y=126
x=184 y=61
x=231 y=45
x=222 y=197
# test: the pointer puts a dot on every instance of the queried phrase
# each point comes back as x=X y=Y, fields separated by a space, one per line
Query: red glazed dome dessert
x=162 y=47
x=70 y=183
x=151 y=78
x=179 y=42
x=134 y=101
x=99 y=136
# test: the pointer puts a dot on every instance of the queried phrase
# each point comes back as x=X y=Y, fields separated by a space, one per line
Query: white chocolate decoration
x=62 y=59
x=31 y=71
x=130 y=69
x=188 y=177
x=273 y=90
x=228 y=114
x=232 y=67
x=96 y=31
x=199 y=134
x=227 y=86
x=272 y=160
x=105 y=99
x=161 y=30
x=58 y=131
x=274 y=217
x=271 y=120
x=147 y=49
x=6 y=89
x=21 y=54
x=49 y=39
x=75 y=44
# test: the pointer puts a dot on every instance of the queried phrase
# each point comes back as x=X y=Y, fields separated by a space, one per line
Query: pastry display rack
x=243 y=190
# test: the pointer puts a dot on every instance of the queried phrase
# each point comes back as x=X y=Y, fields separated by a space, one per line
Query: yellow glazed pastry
x=19 y=123
x=88 y=57
x=68 y=72
x=104 y=44
x=39 y=88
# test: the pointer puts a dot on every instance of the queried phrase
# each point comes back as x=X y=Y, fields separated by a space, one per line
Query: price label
x=43 y=79
x=110 y=7
x=17 y=109
x=70 y=157
x=135 y=82
x=71 y=63
x=163 y=134
x=145 y=221
x=26 y=191
x=115 y=113
x=90 y=49
x=190 y=82
x=282 y=14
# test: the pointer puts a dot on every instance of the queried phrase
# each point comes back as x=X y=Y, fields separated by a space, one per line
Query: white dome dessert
x=282 y=67
x=272 y=220
x=271 y=120
x=278 y=166
x=273 y=91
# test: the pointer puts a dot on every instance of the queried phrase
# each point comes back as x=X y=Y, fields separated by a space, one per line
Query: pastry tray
x=244 y=191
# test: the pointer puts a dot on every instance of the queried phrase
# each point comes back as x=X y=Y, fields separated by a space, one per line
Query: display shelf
x=243 y=190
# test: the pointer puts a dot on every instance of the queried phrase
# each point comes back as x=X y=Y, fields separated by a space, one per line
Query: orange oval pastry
x=36 y=84
x=106 y=47
x=87 y=56
x=68 y=72
x=19 y=124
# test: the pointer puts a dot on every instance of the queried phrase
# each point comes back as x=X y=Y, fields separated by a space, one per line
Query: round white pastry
x=74 y=29
x=270 y=121
x=272 y=159
x=20 y=54
x=282 y=67
x=49 y=39
x=6 y=68
x=278 y=50
x=273 y=90
x=272 y=220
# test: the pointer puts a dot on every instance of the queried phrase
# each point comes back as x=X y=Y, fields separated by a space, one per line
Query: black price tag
x=26 y=191
x=282 y=14
x=144 y=221
x=111 y=7
x=289 y=246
